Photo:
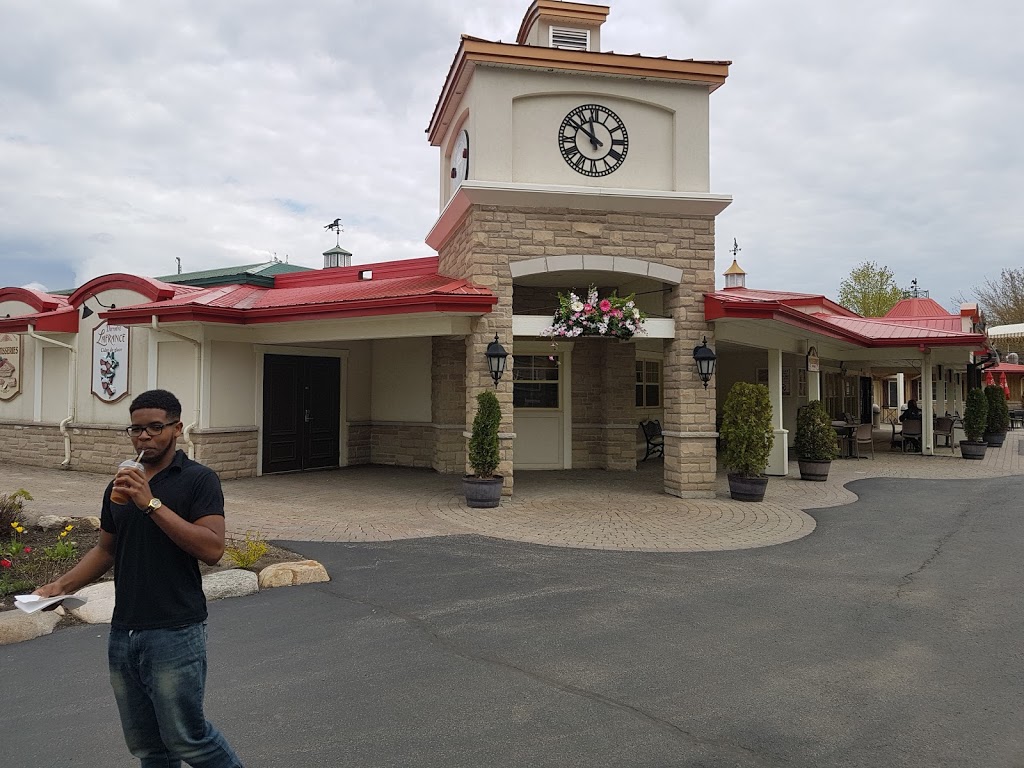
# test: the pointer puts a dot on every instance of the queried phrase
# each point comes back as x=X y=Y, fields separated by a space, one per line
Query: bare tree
x=1002 y=300
x=870 y=290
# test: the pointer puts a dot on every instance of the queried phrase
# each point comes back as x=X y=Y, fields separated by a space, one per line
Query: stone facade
x=489 y=238
x=359 y=433
x=100 y=448
x=448 y=404
x=37 y=445
x=230 y=452
x=402 y=444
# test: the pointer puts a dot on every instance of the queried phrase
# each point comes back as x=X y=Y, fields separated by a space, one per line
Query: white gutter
x=72 y=382
x=187 y=432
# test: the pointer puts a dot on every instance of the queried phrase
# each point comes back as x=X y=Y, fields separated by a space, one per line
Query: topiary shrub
x=746 y=433
x=998 y=411
x=975 y=415
x=815 y=438
x=483 y=444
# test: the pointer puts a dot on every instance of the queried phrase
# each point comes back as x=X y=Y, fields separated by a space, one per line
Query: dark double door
x=301 y=412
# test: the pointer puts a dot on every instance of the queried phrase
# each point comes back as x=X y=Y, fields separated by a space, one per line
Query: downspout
x=73 y=380
x=187 y=431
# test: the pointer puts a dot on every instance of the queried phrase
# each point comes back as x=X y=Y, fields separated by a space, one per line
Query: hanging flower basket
x=611 y=316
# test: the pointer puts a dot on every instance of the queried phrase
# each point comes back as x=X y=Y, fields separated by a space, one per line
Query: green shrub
x=245 y=553
x=483 y=445
x=815 y=438
x=11 y=506
x=998 y=410
x=975 y=415
x=747 y=433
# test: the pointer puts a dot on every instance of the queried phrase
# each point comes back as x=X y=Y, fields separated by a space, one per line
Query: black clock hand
x=593 y=139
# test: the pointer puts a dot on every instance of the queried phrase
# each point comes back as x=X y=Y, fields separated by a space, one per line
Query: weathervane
x=735 y=248
x=336 y=227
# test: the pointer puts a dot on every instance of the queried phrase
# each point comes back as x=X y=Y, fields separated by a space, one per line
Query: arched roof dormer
x=154 y=290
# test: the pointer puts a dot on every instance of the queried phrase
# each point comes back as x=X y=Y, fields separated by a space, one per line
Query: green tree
x=1002 y=300
x=870 y=290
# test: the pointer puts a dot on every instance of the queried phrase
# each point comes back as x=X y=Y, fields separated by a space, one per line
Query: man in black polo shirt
x=173 y=518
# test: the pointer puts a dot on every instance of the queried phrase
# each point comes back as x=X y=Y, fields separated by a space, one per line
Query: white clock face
x=460 y=160
x=593 y=140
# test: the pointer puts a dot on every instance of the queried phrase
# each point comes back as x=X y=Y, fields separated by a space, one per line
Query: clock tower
x=564 y=166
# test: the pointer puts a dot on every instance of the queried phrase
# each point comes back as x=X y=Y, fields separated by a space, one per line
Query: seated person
x=912 y=412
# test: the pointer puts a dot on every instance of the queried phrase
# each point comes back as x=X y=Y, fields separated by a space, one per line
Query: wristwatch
x=154 y=504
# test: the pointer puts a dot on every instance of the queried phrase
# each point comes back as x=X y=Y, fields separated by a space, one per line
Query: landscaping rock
x=292 y=574
x=100 y=603
x=52 y=522
x=231 y=583
x=16 y=626
x=90 y=522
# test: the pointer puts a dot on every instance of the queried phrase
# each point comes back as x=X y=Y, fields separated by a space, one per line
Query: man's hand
x=134 y=485
x=49 y=590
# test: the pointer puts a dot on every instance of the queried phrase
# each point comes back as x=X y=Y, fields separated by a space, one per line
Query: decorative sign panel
x=110 y=362
x=813 y=364
x=10 y=365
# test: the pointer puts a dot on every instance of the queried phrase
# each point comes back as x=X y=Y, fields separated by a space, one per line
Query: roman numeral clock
x=593 y=140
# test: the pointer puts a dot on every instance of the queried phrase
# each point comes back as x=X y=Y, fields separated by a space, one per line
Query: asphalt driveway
x=891 y=636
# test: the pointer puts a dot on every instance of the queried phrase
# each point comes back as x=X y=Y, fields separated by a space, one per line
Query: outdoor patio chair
x=896 y=440
x=912 y=435
x=863 y=436
x=944 y=431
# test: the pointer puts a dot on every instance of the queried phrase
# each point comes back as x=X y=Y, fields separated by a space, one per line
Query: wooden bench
x=655 y=440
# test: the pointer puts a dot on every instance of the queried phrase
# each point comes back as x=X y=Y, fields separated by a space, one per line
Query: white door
x=540 y=394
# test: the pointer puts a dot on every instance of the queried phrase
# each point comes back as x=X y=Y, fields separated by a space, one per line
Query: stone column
x=448 y=404
x=689 y=428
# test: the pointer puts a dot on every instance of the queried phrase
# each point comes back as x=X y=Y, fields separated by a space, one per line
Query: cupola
x=337 y=257
x=735 y=277
x=557 y=24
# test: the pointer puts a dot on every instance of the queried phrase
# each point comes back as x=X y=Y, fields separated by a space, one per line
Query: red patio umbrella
x=1003 y=384
x=989 y=379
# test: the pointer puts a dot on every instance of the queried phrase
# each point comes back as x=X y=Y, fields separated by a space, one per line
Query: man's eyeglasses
x=154 y=429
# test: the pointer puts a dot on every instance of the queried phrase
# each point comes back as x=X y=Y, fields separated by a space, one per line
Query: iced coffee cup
x=117 y=495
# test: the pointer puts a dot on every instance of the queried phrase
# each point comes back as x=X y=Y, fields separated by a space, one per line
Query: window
x=534 y=381
x=892 y=394
x=648 y=384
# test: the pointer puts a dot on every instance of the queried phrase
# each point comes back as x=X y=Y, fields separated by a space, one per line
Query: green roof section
x=247 y=274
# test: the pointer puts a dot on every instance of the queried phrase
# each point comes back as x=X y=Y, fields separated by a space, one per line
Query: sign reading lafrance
x=110 y=362
x=10 y=365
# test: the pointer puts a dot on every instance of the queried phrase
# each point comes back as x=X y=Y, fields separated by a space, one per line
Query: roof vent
x=1013 y=358
x=337 y=257
x=573 y=39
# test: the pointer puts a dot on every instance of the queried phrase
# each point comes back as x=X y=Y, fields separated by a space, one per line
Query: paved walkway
x=585 y=509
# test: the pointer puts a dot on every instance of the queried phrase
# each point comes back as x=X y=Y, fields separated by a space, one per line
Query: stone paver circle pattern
x=585 y=509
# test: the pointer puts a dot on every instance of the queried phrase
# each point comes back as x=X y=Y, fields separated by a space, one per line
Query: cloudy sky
x=135 y=133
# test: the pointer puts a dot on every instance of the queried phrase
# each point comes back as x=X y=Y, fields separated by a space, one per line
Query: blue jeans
x=159 y=678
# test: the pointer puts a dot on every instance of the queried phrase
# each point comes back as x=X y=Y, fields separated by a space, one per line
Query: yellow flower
x=19 y=529
x=68 y=527
x=15 y=524
x=63 y=534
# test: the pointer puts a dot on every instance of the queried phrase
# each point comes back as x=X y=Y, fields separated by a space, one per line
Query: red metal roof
x=838 y=322
x=394 y=288
x=918 y=307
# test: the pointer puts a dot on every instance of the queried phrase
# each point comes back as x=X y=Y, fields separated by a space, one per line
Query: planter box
x=972 y=450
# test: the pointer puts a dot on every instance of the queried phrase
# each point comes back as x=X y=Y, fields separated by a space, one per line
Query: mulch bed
x=39 y=570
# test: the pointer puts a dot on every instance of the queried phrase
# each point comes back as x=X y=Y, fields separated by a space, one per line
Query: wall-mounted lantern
x=496 y=356
x=705 y=358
